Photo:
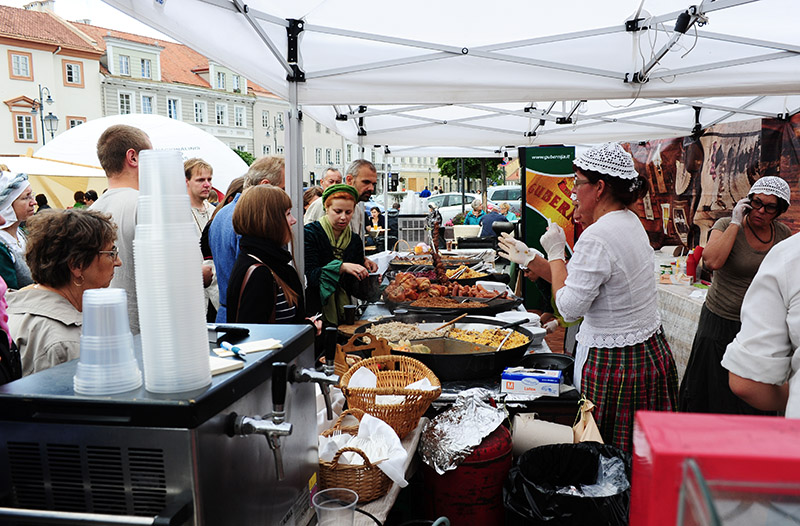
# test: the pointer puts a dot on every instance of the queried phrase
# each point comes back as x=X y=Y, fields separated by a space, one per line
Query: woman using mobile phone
x=734 y=252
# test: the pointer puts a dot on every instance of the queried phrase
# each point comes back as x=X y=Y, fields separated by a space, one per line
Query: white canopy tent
x=58 y=180
x=79 y=144
x=461 y=73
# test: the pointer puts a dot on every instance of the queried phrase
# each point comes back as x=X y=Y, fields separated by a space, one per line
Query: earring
x=74 y=282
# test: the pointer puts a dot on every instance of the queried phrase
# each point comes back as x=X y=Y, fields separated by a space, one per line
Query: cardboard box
x=518 y=380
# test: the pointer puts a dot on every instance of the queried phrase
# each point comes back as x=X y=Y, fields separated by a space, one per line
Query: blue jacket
x=224 y=243
x=488 y=220
x=471 y=219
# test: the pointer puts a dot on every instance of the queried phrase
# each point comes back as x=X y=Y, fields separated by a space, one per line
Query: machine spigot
x=324 y=378
x=272 y=426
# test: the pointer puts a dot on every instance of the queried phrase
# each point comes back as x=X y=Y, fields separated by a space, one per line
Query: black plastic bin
x=541 y=487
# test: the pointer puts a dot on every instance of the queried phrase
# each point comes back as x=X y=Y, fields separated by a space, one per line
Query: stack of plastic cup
x=107 y=364
x=169 y=282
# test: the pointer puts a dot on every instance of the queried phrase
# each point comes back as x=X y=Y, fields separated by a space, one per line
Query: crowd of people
x=743 y=357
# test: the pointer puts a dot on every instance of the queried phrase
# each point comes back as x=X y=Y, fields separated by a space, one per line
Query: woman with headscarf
x=69 y=252
x=735 y=249
x=626 y=363
x=333 y=255
x=475 y=215
x=17 y=204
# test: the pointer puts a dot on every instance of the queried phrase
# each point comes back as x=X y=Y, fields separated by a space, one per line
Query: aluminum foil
x=451 y=436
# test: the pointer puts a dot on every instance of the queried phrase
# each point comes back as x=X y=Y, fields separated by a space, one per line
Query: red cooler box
x=753 y=460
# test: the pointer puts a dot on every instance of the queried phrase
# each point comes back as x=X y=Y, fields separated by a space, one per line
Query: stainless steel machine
x=142 y=458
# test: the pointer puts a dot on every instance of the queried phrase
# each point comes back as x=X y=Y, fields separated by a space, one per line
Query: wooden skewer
x=451 y=322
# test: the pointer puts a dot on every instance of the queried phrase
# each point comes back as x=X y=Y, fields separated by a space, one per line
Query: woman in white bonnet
x=17 y=204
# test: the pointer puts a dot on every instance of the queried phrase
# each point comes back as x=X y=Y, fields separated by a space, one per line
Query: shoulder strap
x=247 y=275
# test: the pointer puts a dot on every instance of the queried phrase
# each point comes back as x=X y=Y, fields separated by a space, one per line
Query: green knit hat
x=341 y=187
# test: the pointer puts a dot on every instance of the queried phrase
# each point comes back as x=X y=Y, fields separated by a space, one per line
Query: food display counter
x=163 y=459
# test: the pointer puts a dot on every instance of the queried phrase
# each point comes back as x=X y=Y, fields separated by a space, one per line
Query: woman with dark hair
x=90 y=197
x=334 y=255
x=623 y=363
x=734 y=252
x=311 y=195
x=264 y=286
x=69 y=251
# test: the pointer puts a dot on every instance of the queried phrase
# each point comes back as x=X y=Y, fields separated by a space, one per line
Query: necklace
x=771 y=233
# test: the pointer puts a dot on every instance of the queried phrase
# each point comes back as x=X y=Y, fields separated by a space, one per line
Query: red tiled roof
x=40 y=27
x=177 y=60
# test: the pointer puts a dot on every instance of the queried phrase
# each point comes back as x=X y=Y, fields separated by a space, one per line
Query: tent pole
x=294 y=174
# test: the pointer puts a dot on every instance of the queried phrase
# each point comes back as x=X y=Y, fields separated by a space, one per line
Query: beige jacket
x=45 y=327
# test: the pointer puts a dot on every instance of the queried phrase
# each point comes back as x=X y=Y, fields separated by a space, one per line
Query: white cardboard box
x=518 y=380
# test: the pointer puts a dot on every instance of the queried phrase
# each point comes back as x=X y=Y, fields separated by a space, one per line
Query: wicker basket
x=394 y=374
x=366 y=479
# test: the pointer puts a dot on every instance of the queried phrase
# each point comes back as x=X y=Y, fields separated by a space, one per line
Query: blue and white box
x=536 y=382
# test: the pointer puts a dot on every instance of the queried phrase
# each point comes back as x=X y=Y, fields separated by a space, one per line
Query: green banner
x=548 y=179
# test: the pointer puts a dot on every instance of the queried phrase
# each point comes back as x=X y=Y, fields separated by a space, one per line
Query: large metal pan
x=454 y=359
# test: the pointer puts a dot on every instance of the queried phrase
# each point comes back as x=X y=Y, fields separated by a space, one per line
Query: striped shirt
x=283 y=311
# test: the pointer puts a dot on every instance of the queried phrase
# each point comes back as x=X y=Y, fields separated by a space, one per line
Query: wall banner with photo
x=696 y=180
x=548 y=179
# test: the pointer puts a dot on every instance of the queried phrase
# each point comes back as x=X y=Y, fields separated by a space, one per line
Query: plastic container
x=161 y=173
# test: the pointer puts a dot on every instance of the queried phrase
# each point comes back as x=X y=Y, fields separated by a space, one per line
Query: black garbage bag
x=569 y=484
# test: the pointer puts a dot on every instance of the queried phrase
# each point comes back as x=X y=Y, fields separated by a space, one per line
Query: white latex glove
x=550 y=326
x=740 y=210
x=515 y=250
x=554 y=242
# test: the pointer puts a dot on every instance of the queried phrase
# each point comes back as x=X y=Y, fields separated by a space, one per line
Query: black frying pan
x=456 y=360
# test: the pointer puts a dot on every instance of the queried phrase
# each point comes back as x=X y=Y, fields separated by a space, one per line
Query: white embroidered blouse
x=611 y=283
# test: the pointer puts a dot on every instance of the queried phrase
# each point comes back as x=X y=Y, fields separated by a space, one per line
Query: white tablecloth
x=679 y=316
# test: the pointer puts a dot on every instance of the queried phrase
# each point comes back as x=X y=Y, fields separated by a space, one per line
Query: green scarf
x=333 y=296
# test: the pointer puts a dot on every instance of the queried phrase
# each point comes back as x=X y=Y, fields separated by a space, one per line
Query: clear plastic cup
x=335 y=506
x=163 y=210
x=107 y=362
x=161 y=173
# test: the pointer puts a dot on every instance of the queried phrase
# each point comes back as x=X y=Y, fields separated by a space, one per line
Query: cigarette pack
x=518 y=380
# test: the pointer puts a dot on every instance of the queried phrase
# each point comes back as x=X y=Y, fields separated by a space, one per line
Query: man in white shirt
x=762 y=360
x=198 y=185
x=118 y=151
x=315 y=210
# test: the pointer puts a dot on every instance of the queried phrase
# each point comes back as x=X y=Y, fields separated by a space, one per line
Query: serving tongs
x=509 y=326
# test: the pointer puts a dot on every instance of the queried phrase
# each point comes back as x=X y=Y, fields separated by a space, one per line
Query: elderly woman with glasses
x=16 y=205
x=735 y=249
x=69 y=251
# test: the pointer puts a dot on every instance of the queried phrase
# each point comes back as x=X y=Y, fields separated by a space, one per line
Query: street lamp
x=49 y=122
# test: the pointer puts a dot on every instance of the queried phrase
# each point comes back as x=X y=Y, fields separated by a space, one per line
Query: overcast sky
x=98 y=14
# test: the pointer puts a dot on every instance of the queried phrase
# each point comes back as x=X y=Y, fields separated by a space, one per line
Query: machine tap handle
x=329 y=344
x=278 y=385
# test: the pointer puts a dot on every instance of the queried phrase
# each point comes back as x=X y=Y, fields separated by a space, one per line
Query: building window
x=147 y=104
x=125 y=106
x=238 y=116
x=74 y=121
x=73 y=75
x=328 y=131
x=280 y=120
x=328 y=156
x=349 y=154
x=235 y=79
x=19 y=65
x=124 y=65
x=279 y=150
x=338 y=157
x=241 y=147
x=146 y=68
x=265 y=118
x=221 y=111
x=200 y=110
x=220 y=80
x=23 y=124
x=318 y=156
x=372 y=156
x=319 y=128
x=174 y=109
x=265 y=150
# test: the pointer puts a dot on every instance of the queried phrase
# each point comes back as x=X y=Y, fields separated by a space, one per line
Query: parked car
x=450 y=203
x=511 y=194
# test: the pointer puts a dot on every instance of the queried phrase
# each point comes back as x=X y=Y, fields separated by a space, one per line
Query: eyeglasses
x=758 y=204
x=114 y=252
x=577 y=182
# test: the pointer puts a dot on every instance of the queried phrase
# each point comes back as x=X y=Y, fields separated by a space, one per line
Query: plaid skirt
x=622 y=380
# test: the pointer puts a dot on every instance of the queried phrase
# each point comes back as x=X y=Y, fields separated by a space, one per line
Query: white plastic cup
x=161 y=173
x=159 y=210
x=335 y=506
x=107 y=362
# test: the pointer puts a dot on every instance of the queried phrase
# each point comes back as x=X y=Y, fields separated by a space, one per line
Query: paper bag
x=585 y=428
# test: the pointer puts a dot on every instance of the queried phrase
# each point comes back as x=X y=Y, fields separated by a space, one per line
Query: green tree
x=246 y=156
x=448 y=167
